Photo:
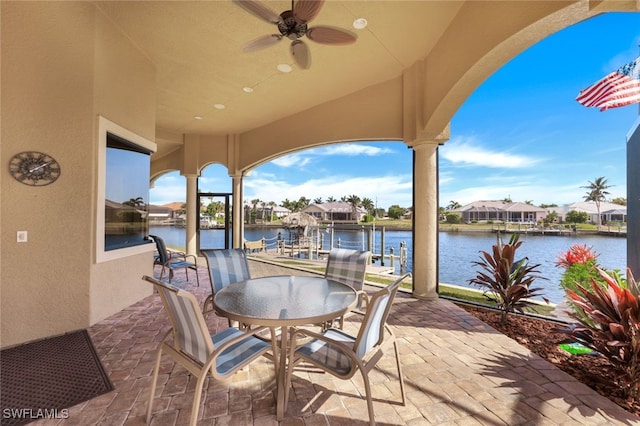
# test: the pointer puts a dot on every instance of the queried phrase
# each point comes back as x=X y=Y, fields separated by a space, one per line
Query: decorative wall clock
x=34 y=168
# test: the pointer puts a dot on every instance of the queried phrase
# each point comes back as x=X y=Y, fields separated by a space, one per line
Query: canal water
x=457 y=250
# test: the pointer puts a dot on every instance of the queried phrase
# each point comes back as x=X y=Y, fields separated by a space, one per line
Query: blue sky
x=521 y=135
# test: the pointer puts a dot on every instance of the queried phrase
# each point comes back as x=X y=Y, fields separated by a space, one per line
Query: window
x=126 y=194
x=123 y=192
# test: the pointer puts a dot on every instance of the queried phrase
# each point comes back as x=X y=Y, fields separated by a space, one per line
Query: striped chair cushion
x=239 y=352
x=347 y=266
x=373 y=327
x=330 y=356
x=188 y=331
x=226 y=267
x=193 y=341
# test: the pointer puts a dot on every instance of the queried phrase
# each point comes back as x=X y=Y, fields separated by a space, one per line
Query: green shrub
x=453 y=218
x=581 y=269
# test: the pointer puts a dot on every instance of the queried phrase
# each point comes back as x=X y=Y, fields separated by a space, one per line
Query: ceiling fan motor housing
x=291 y=28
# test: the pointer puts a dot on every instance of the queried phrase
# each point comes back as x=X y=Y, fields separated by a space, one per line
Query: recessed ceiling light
x=197 y=117
x=284 y=68
x=219 y=106
x=248 y=89
x=360 y=23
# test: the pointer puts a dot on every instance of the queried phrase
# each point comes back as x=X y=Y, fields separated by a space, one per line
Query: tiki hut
x=299 y=220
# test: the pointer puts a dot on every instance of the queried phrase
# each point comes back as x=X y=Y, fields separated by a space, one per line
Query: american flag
x=620 y=88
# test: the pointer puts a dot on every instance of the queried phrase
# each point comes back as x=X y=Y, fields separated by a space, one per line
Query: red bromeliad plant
x=576 y=254
x=609 y=323
x=508 y=282
x=580 y=265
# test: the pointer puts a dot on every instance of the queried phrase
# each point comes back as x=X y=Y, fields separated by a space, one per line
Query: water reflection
x=457 y=250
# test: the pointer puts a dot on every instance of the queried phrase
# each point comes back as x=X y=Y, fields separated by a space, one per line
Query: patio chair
x=171 y=260
x=348 y=267
x=226 y=266
x=342 y=355
x=189 y=343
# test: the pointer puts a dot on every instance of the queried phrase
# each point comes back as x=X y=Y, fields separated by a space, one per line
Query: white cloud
x=302 y=159
x=166 y=192
x=298 y=160
x=353 y=149
x=467 y=151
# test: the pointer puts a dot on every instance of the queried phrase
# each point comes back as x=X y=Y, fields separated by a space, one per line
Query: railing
x=312 y=246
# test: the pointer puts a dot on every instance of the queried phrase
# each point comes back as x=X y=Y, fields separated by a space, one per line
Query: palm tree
x=303 y=202
x=367 y=204
x=597 y=192
x=354 y=200
x=331 y=199
x=254 y=210
x=214 y=208
x=272 y=205
x=453 y=205
x=134 y=202
x=317 y=200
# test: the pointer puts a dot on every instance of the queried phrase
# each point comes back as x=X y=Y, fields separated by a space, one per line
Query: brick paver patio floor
x=458 y=371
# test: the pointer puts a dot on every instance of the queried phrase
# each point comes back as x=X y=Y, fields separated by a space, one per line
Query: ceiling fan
x=292 y=24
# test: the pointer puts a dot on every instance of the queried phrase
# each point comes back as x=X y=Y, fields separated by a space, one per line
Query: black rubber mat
x=42 y=379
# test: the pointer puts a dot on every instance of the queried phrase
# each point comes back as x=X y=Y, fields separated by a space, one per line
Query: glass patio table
x=284 y=301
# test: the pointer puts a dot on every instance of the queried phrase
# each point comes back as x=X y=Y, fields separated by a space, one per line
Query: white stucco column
x=425 y=225
x=238 y=210
x=192 y=214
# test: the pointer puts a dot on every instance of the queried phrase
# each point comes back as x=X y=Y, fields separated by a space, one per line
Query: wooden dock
x=315 y=262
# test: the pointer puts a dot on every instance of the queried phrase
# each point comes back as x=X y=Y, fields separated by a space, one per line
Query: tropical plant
x=609 y=324
x=368 y=205
x=577 y=254
x=597 y=192
x=550 y=218
x=619 y=200
x=272 y=205
x=453 y=205
x=134 y=202
x=581 y=267
x=507 y=282
x=355 y=202
x=214 y=208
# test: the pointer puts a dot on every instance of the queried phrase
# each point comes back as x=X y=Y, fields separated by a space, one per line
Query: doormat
x=43 y=379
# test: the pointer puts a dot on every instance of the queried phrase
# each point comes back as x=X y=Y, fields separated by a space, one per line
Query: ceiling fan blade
x=300 y=53
x=260 y=10
x=261 y=42
x=305 y=10
x=331 y=35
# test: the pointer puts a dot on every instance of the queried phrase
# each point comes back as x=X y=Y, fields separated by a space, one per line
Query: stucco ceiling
x=196 y=48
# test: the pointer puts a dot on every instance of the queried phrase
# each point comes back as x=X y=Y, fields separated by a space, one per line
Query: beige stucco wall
x=62 y=65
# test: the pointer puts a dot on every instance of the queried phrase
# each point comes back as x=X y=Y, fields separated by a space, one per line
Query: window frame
x=106 y=126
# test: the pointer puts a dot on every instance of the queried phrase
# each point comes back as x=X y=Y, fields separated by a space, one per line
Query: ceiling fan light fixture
x=284 y=68
x=360 y=24
x=293 y=24
x=219 y=106
x=247 y=89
